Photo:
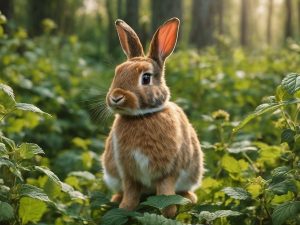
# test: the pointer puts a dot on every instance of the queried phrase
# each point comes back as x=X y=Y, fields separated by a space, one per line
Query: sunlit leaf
x=28 y=150
x=236 y=193
x=31 y=210
x=211 y=216
x=29 y=107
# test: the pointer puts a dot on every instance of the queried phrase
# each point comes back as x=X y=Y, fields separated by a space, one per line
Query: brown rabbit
x=152 y=147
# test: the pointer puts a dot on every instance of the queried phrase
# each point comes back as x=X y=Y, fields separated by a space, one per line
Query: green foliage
x=252 y=160
x=162 y=201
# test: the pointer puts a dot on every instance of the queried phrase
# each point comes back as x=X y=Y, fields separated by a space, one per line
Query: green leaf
x=29 y=107
x=28 y=150
x=3 y=151
x=162 y=201
x=237 y=193
x=280 y=171
x=83 y=174
x=283 y=187
x=6 y=211
x=33 y=192
x=262 y=109
x=49 y=173
x=117 y=216
x=8 y=142
x=291 y=83
x=287 y=135
x=12 y=167
x=211 y=216
x=285 y=211
x=154 y=219
x=31 y=210
x=7 y=99
x=242 y=146
x=231 y=165
x=72 y=193
x=282 y=94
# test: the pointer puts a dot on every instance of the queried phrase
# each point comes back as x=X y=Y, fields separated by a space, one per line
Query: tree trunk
x=269 y=22
x=288 y=21
x=163 y=10
x=132 y=14
x=244 y=25
x=203 y=23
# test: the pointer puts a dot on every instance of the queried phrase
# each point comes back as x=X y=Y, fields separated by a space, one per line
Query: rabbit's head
x=139 y=85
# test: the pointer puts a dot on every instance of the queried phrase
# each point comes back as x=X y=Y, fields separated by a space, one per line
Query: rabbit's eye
x=146 y=79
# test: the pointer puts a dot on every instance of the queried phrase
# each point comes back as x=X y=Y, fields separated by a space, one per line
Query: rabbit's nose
x=117 y=99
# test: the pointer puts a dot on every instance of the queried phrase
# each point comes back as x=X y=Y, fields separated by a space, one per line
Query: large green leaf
x=28 y=150
x=154 y=219
x=33 y=192
x=282 y=187
x=7 y=99
x=285 y=211
x=31 y=210
x=6 y=211
x=211 y=216
x=29 y=107
x=291 y=83
x=237 y=193
x=162 y=201
x=262 y=109
x=117 y=216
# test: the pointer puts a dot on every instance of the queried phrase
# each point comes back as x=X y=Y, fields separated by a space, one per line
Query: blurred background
x=247 y=23
x=60 y=55
x=231 y=55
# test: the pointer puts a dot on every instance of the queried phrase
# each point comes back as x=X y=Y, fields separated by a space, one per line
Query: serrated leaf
x=162 y=201
x=31 y=210
x=154 y=219
x=29 y=107
x=283 y=187
x=83 y=174
x=6 y=211
x=33 y=192
x=287 y=135
x=285 y=211
x=3 y=150
x=72 y=193
x=117 y=216
x=241 y=146
x=280 y=171
x=291 y=83
x=49 y=173
x=237 y=193
x=28 y=150
x=262 y=109
x=211 y=216
x=12 y=167
x=8 y=91
x=8 y=142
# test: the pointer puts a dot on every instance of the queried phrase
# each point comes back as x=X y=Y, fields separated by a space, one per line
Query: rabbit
x=152 y=147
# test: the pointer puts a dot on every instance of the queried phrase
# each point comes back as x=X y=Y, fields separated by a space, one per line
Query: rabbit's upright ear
x=129 y=40
x=164 y=40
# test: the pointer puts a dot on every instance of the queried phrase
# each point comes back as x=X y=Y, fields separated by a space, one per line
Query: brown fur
x=149 y=151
